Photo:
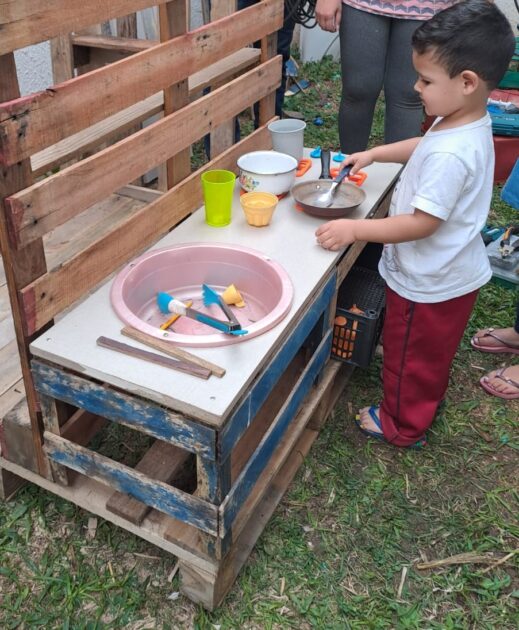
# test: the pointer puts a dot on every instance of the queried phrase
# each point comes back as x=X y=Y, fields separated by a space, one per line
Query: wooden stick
x=182 y=366
x=461 y=558
x=173 y=351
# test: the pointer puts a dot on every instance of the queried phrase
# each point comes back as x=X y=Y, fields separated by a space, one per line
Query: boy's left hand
x=336 y=234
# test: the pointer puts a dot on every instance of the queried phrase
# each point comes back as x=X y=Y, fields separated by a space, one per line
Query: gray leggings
x=375 y=54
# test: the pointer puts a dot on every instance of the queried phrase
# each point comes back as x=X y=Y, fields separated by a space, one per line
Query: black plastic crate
x=355 y=334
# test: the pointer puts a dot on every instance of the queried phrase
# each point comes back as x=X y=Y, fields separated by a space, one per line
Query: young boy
x=434 y=259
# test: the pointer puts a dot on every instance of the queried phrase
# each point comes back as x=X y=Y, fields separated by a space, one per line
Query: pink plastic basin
x=181 y=270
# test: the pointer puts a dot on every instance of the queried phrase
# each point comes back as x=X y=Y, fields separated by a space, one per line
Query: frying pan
x=346 y=199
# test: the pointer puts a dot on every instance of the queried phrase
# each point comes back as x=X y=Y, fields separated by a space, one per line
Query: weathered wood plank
x=259 y=392
x=106 y=42
x=209 y=589
x=162 y=461
x=20 y=266
x=25 y=22
x=285 y=449
x=16 y=437
x=114 y=126
x=34 y=122
x=51 y=424
x=222 y=137
x=124 y=409
x=33 y=212
x=49 y=295
x=157 y=494
x=259 y=460
x=92 y=495
x=173 y=21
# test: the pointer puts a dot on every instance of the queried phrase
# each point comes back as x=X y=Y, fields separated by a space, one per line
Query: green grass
x=358 y=516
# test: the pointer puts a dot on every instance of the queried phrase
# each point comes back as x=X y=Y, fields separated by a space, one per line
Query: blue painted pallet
x=260 y=459
x=157 y=494
x=262 y=387
x=128 y=410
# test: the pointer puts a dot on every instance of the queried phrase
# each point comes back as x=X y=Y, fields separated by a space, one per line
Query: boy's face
x=441 y=95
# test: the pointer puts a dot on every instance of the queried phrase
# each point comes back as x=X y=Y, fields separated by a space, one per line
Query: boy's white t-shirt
x=449 y=175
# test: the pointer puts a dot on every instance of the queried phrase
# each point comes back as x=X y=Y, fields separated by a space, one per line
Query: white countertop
x=289 y=240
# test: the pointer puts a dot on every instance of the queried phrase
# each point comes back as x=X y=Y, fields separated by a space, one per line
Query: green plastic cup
x=218 y=189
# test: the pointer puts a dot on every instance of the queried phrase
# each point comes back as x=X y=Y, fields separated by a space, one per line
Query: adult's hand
x=328 y=14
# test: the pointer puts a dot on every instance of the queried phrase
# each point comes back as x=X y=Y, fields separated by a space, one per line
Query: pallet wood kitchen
x=242 y=435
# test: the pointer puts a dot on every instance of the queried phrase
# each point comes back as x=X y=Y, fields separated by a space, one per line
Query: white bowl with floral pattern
x=267 y=171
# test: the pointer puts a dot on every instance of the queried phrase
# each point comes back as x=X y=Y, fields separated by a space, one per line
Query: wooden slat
x=260 y=390
x=223 y=136
x=91 y=495
x=47 y=204
x=127 y=410
x=209 y=591
x=126 y=26
x=154 y=493
x=25 y=22
x=161 y=461
x=20 y=266
x=32 y=123
x=49 y=295
x=114 y=126
x=259 y=460
x=62 y=59
x=121 y=44
x=173 y=21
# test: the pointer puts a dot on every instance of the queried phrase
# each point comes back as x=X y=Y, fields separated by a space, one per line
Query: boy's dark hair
x=471 y=35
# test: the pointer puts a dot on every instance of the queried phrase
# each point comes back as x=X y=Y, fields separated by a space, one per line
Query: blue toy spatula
x=168 y=304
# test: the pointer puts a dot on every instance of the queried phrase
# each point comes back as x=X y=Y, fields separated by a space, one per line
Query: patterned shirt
x=405 y=9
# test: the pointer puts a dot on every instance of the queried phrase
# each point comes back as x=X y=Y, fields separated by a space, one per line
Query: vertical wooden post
x=173 y=21
x=223 y=137
x=267 y=105
x=127 y=26
x=62 y=58
x=213 y=484
x=51 y=422
x=21 y=266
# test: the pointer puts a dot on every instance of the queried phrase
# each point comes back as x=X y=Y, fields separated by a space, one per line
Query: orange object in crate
x=356 y=329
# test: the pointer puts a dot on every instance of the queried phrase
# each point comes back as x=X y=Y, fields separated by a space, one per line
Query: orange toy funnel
x=231 y=295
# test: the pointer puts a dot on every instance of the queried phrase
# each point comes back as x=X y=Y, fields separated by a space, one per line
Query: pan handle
x=344 y=172
x=325 y=164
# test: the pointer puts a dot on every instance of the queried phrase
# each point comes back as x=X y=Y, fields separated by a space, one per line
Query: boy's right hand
x=359 y=160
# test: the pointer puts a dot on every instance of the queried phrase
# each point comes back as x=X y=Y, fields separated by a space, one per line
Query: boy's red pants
x=420 y=341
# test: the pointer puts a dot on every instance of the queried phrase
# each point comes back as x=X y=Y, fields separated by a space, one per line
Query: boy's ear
x=471 y=81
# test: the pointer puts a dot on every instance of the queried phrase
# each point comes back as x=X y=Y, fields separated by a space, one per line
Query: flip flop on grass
x=501 y=346
x=500 y=375
x=373 y=412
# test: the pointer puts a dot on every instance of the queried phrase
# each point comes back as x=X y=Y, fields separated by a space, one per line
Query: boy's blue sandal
x=373 y=412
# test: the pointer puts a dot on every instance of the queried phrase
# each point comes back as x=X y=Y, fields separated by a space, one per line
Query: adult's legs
x=364 y=40
x=284 y=42
x=404 y=111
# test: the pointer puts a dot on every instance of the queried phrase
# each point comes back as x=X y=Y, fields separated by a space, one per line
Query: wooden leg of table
x=209 y=589
x=9 y=484
x=49 y=412
x=213 y=484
